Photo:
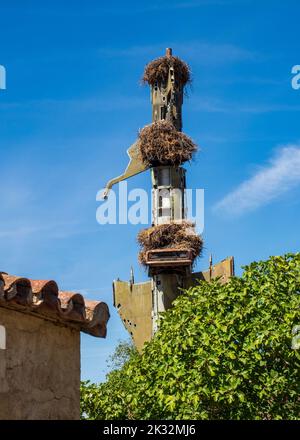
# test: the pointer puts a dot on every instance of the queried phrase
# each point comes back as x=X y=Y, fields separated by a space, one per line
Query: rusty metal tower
x=169 y=267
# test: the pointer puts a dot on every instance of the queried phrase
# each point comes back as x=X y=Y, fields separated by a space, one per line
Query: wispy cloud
x=212 y=105
x=53 y=230
x=280 y=175
x=117 y=102
x=128 y=9
x=88 y=104
x=202 y=52
x=246 y=79
x=169 y=6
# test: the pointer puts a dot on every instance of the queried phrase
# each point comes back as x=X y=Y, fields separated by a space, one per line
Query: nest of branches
x=170 y=235
x=161 y=144
x=158 y=71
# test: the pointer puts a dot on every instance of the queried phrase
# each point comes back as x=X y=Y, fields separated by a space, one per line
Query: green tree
x=222 y=352
x=101 y=401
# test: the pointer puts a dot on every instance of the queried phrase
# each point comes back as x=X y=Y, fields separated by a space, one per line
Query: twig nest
x=161 y=144
x=170 y=235
x=158 y=71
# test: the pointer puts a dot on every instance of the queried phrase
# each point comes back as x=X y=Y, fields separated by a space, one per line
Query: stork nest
x=170 y=235
x=158 y=71
x=161 y=144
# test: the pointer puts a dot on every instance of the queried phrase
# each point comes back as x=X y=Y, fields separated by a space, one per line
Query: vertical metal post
x=168 y=190
x=168 y=205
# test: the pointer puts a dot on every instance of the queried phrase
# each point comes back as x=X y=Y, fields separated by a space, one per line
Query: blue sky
x=73 y=105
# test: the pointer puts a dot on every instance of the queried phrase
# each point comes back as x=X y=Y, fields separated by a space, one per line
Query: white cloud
x=280 y=175
x=54 y=230
x=88 y=104
x=169 y=6
x=201 y=52
x=213 y=105
x=126 y=102
x=127 y=9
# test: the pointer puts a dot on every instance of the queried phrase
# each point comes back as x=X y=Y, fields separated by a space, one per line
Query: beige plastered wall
x=39 y=368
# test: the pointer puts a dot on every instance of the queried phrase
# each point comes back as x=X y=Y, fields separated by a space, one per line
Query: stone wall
x=39 y=368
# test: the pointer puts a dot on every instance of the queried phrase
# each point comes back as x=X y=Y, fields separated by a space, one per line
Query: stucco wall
x=39 y=369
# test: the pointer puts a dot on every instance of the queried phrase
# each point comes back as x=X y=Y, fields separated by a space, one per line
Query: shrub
x=222 y=352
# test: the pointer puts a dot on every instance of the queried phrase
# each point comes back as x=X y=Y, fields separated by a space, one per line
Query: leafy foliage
x=110 y=398
x=222 y=352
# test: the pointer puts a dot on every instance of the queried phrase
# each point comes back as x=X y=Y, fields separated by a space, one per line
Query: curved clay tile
x=40 y=287
x=45 y=293
x=42 y=298
x=17 y=289
x=97 y=314
x=72 y=305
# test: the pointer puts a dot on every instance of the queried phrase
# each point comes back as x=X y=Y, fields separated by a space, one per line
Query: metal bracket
x=134 y=167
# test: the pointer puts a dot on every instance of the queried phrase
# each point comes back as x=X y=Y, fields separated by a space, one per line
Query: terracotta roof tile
x=72 y=305
x=43 y=298
x=94 y=314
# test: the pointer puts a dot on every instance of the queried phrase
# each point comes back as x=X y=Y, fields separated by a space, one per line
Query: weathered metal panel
x=167 y=100
x=166 y=288
x=134 y=167
x=134 y=305
x=224 y=270
x=169 y=257
x=134 y=302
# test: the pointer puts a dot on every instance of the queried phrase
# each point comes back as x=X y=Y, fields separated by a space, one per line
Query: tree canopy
x=222 y=352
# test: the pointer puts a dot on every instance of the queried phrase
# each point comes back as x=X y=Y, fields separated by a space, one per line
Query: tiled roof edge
x=44 y=299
